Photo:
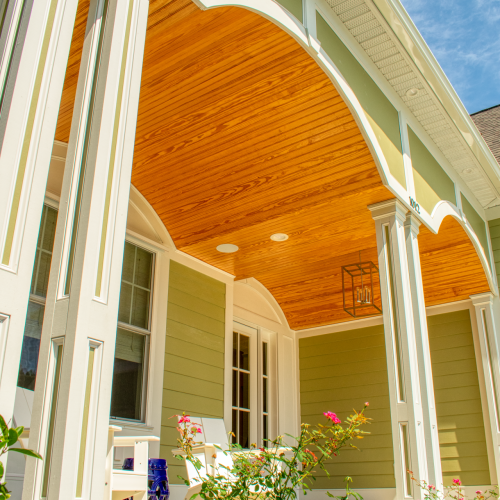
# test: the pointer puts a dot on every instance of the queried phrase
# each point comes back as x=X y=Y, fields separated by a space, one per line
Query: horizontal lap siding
x=339 y=372
x=458 y=402
x=495 y=244
x=193 y=380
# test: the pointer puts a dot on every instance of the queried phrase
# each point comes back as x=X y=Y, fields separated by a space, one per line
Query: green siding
x=382 y=115
x=477 y=223
x=458 y=403
x=339 y=372
x=432 y=183
x=495 y=244
x=293 y=6
x=193 y=380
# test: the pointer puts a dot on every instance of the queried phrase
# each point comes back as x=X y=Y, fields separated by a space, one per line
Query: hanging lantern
x=361 y=289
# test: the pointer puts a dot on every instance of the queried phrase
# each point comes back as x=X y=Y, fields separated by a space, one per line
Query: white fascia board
x=407 y=33
x=375 y=74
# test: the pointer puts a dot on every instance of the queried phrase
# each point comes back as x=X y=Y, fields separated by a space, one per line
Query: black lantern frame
x=359 y=301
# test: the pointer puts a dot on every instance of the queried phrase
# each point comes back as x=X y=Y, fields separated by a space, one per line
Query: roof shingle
x=488 y=123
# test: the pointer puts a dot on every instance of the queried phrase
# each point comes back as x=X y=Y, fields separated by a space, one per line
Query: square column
x=485 y=306
x=71 y=406
x=34 y=46
x=413 y=414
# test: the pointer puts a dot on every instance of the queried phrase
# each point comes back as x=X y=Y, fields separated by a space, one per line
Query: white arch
x=268 y=297
x=286 y=21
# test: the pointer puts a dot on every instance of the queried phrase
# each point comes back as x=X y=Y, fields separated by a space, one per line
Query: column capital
x=387 y=209
x=412 y=223
x=482 y=299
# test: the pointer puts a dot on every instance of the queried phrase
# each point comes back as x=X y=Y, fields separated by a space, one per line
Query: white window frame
x=258 y=335
x=33 y=298
x=147 y=333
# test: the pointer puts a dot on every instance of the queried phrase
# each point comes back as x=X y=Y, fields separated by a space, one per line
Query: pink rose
x=332 y=416
x=479 y=492
x=457 y=482
x=184 y=418
x=367 y=404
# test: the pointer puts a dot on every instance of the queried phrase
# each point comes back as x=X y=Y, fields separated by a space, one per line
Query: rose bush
x=278 y=471
x=454 y=492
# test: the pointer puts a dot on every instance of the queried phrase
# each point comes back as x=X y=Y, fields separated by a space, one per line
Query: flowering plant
x=453 y=492
x=276 y=472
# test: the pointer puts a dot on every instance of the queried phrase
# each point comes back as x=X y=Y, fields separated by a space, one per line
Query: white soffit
x=367 y=25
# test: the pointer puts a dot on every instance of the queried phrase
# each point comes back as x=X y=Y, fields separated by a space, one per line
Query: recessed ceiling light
x=227 y=248
x=468 y=171
x=412 y=92
x=279 y=237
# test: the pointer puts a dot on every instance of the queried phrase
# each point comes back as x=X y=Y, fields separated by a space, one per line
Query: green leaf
x=1 y=470
x=4 y=428
x=29 y=453
x=13 y=437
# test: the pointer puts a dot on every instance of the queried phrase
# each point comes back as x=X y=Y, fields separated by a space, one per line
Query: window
x=36 y=305
x=253 y=385
x=132 y=336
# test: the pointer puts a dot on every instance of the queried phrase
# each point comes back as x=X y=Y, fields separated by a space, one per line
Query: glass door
x=244 y=394
x=254 y=397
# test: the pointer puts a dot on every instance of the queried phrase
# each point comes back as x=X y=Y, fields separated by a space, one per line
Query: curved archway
x=451 y=268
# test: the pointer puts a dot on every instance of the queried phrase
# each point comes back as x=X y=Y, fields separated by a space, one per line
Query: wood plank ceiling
x=241 y=135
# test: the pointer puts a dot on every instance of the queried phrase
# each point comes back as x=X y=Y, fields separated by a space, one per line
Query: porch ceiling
x=241 y=135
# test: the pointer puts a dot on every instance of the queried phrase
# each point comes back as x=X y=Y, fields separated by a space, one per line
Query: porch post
x=34 y=47
x=484 y=306
x=71 y=406
x=433 y=457
x=413 y=415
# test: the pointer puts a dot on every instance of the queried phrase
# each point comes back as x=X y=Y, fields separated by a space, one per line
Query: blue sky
x=464 y=36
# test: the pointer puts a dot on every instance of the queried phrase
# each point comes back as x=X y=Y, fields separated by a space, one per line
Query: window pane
x=235 y=349
x=264 y=395
x=235 y=388
x=125 y=303
x=244 y=352
x=41 y=269
x=31 y=346
x=244 y=430
x=47 y=237
x=265 y=433
x=264 y=358
x=140 y=308
x=135 y=292
x=234 y=427
x=126 y=398
x=128 y=262
x=41 y=278
x=244 y=390
x=130 y=346
x=143 y=268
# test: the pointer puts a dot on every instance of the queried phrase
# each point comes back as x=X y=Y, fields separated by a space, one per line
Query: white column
x=408 y=360
x=435 y=475
x=73 y=390
x=31 y=82
x=485 y=306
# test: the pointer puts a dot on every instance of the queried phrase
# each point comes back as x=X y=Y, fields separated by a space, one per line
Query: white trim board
x=378 y=320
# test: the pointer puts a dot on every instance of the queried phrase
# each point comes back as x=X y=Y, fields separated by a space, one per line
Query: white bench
x=121 y=483
x=213 y=454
